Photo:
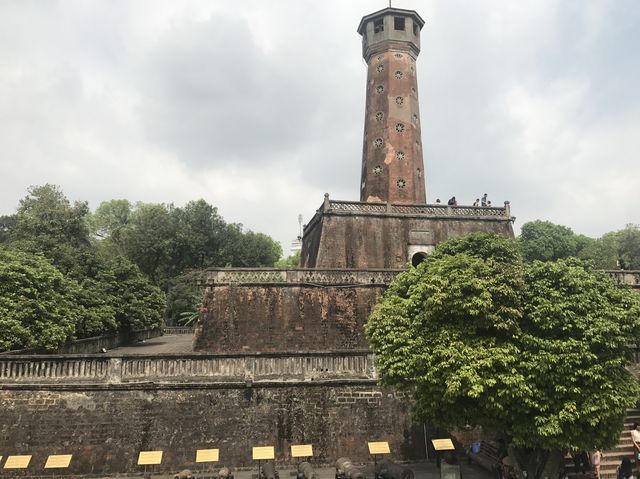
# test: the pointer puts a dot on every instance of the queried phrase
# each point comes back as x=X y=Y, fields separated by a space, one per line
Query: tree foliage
x=109 y=293
x=37 y=307
x=545 y=241
x=117 y=262
x=535 y=350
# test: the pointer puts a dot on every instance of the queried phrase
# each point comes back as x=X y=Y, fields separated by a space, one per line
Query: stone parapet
x=219 y=276
x=435 y=211
x=180 y=368
x=629 y=278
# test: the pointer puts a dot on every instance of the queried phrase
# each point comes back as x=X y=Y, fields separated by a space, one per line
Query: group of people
x=583 y=462
x=478 y=202
x=482 y=202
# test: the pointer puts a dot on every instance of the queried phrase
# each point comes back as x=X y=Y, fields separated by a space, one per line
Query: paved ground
x=422 y=470
x=169 y=343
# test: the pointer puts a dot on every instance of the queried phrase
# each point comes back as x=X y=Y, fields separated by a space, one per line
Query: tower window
x=398 y=23
x=398 y=75
x=400 y=127
x=401 y=183
x=377 y=170
x=380 y=89
x=399 y=100
x=378 y=142
x=378 y=25
x=379 y=116
x=400 y=155
x=380 y=68
x=415 y=29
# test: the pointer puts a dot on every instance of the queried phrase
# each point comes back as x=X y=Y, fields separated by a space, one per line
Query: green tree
x=535 y=351
x=257 y=250
x=150 y=239
x=136 y=303
x=47 y=222
x=629 y=246
x=545 y=241
x=602 y=252
x=37 y=307
x=109 y=219
x=185 y=294
x=292 y=261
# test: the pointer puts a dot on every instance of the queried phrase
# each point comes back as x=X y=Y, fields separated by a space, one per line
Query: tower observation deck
x=392 y=165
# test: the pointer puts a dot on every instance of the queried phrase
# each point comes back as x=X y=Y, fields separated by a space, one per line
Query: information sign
x=301 y=450
x=261 y=453
x=379 y=447
x=59 y=461
x=148 y=458
x=442 y=444
x=207 y=455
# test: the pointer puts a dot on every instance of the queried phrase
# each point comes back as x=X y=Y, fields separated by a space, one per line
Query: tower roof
x=390 y=11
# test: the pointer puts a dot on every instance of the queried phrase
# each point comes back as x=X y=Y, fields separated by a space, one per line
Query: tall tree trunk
x=537 y=463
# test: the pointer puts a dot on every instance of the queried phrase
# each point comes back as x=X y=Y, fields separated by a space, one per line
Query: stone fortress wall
x=280 y=354
x=104 y=410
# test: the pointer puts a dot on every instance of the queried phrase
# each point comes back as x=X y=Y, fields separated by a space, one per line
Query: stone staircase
x=612 y=457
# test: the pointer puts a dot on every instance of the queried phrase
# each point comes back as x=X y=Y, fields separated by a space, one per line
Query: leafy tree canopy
x=292 y=261
x=536 y=351
x=545 y=241
x=37 y=307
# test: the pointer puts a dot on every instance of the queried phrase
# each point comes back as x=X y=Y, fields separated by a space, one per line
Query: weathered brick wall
x=381 y=241
x=105 y=429
x=291 y=317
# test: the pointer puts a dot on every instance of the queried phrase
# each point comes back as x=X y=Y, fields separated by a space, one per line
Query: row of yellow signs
x=260 y=453
x=148 y=458
x=56 y=461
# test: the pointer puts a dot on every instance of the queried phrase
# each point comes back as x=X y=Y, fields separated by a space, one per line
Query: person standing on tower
x=484 y=200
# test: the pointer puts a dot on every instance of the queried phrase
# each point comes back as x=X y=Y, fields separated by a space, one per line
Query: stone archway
x=418 y=258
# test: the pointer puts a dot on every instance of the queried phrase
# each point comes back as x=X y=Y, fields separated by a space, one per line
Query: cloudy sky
x=257 y=106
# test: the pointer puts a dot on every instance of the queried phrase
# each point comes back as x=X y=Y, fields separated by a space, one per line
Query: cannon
x=269 y=471
x=305 y=471
x=346 y=470
x=388 y=469
x=223 y=473
x=184 y=474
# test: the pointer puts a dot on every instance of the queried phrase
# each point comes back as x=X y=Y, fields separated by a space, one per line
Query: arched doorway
x=418 y=258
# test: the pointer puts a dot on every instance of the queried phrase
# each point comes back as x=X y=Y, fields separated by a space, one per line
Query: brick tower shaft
x=392 y=165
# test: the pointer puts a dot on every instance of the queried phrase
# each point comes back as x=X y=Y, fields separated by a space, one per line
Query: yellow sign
x=442 y=444
x=379 y=447
x=207 y=455
x=263 y=452
x=301 y=450
x=17 y=462
x=148 y=458
x=58 y=461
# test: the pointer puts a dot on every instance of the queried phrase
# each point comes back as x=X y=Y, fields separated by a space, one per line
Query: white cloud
x=259 y=110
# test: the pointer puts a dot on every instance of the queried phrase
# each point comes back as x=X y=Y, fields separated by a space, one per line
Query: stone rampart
x=104 y=410
x=264 y=313
x=362 y=235
x=297 y=310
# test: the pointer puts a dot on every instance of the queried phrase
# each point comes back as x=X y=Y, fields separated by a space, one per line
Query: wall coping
x=308 y=276
x=227 y=369
x=431 y=211
x=343 y=276
x=193 y=355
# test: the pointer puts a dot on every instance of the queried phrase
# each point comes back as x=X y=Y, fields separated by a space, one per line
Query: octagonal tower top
x=381 y=29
